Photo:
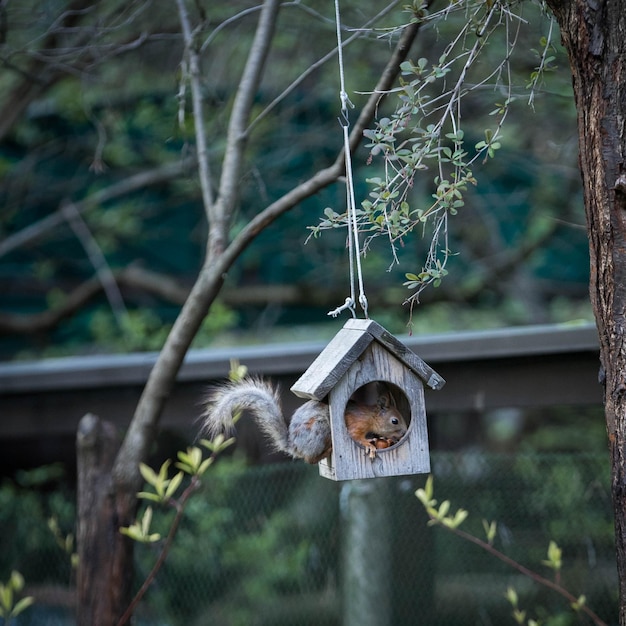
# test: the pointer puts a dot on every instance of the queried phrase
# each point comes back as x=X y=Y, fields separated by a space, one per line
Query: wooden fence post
x=105 y=556
x=367 y=556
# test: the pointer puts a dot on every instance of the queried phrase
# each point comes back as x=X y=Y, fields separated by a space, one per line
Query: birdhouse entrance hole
x=377 y=416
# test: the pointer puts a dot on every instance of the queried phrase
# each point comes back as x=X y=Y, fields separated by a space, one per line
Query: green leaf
x=205 y=465
x=22 y=605
x=146 y=520
x=444 y=507
x=149 y=475
x=132 y=531
x=490 y=530
x=16 y=581
x=554 y=560
x=6 y=597
x=425 y=495
x=173 y=485
x=511 y=596
x=149 y=495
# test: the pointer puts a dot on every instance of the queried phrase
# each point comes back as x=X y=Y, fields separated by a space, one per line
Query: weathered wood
x=364 y=352
x=398 y=349
x=349 y=460
x=345 y=347
x=101 y=598
x=332 y=363
x=367 y=559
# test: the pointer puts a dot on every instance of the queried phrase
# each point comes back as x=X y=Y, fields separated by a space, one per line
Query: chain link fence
x=280 y=546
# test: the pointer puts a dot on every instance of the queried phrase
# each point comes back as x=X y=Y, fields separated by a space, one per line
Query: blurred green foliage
x=520 y=240
x=263 y=545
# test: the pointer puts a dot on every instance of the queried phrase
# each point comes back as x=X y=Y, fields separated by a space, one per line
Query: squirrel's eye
x=394 y=420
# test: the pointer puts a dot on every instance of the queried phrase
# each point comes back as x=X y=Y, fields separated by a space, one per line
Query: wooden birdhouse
x=361 y=354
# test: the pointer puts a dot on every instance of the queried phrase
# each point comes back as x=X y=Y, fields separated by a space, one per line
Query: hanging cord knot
x=346 y=104
x=348 y=304
x=363 y=303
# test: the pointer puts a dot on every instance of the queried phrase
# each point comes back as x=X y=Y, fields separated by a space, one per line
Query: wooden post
x=367 y=555
x=105 y=556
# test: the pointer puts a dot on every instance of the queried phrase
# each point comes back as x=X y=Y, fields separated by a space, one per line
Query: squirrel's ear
x=386 y=401
x=385 y=398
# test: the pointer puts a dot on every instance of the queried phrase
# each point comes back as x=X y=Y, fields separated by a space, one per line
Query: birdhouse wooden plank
x=362 y=354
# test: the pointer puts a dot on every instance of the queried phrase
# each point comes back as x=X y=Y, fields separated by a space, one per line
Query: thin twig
x=317 y=64
x=97 y=260
x=179 y=505
x=193 y=63
x=241 y=111
x=154 y=176
x=538 y=578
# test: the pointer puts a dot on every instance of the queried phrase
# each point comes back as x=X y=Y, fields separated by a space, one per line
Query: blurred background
x=97 y=181
x=107 y=112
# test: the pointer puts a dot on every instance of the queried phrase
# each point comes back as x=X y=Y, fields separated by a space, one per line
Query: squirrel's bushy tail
x=251 y=394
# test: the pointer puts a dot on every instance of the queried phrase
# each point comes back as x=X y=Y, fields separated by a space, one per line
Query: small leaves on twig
x=164 y=487
x=191 y=463
x=9 y=606
x=554 y=560
x=439 y=517
x=140 y=530
x=425 y=132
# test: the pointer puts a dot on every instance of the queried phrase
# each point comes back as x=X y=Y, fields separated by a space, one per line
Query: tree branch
x=47 y=320
x=97 y=259
x=236 y=136
x=193 y=59
x=135 y=278
x=133 y=183
x=314 y=66
x=163 y=375
x=325 y=177
x=36 y=79
x=206 y=288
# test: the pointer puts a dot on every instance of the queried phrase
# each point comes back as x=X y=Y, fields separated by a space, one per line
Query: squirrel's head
x=391 y=423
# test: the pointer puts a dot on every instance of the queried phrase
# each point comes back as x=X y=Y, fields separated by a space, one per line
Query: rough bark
x=103 y=592
x=594 y=34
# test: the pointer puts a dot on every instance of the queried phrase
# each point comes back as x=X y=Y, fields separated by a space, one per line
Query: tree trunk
x=104 y=581
x=594 y=34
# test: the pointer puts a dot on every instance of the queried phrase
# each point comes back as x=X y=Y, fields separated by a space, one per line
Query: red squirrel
x=307 y=434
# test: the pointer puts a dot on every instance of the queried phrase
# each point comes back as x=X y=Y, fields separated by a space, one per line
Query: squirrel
x=307 y=434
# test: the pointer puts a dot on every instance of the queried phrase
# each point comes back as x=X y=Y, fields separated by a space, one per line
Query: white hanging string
x=353 y=229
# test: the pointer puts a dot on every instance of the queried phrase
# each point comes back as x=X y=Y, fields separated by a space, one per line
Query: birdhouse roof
x=346 y=347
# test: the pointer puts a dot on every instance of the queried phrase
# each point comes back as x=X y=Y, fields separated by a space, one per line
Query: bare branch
x=315 y=66
x=193 y=61
x=67 y=47
x=132 y=278
x=133 y=183
x=240 y=116
x=29 y=89
x=97 y=259
x=47 y=320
